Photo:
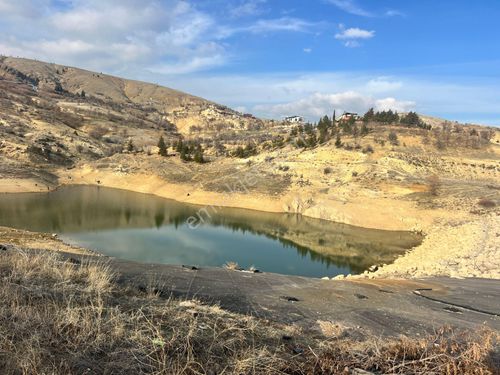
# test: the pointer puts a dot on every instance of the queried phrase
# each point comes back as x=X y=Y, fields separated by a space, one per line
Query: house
x=294 y=119
x=348 y=116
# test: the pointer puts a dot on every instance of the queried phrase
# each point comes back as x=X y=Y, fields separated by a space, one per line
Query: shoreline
x=440 y=254
x=370 y=213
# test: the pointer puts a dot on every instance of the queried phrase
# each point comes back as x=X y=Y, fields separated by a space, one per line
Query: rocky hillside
x=181 y=109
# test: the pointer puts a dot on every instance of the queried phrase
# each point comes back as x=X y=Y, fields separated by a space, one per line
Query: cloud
x=318 y=104
x=394 y=13
x=194 y=65
x=248 y=8
x=277 y=94
x=23 y=8
x=307 y=50
x=115 y=36
x=129 y=37
x=350 y=6
x=393 y=104
x=355 y=33
x=383 y=84
x=352 y=36
x=288 y=24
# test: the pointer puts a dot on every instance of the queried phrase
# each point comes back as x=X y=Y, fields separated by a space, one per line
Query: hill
x=170 y=105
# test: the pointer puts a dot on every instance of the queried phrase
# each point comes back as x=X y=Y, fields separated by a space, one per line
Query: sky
x=275 y=58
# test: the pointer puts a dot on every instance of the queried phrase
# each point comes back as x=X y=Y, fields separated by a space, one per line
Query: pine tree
x=162 y=147
x=369 y=115
x=338 y=141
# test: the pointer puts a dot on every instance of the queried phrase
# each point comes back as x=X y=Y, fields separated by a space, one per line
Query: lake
x=150 y=229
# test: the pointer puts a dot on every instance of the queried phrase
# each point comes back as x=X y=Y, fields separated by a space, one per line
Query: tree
x=162 y=147
x=411 y=119
x=198 y=156
x=364 y=129
x=179 y=146
x=369 y=115
x=355 y=131
x=300 y=143
x=58 y=88
x=338 y=141
x=82 y=94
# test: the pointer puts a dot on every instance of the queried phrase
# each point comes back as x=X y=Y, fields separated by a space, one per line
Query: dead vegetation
x=68 y=317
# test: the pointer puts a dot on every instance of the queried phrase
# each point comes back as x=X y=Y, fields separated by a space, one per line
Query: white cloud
x=194 y=65
x=394 y=13
x=319 y=104
x=350 y=6
x=273 y=95
x=128 y=36
x=248 y=8
x=355 y=33
x=383 y=84
x=396 y=105
x=116 y=36
x=307 y=50
x=23 y=8
x=263 y=26
x=352 y=36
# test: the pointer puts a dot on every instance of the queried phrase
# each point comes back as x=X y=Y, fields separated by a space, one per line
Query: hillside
x=170 y=105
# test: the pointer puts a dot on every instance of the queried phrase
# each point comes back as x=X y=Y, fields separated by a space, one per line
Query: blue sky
x=280 y=57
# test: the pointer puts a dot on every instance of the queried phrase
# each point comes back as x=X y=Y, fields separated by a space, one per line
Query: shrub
x=368 y=149
x=98 y=132
x=434 y=184
x=162 y=147
x=327 y=170
x=486 y=203
x=338 y=141
x=393 y=138
x=130 y=146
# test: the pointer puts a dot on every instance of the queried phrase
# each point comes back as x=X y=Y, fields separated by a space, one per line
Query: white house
x=294 y=119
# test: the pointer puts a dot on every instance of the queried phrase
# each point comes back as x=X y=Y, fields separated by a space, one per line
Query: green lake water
x=149 y=229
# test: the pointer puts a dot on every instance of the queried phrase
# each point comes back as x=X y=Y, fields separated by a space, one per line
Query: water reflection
x=150 y=229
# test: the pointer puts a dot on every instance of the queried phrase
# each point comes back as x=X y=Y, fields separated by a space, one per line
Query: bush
x=434 y=184
x=486 y=203
x=327 y=170
x=393 y=138
x=98 y=132
x=368 y=149
x=162 y=147
x=338 y=141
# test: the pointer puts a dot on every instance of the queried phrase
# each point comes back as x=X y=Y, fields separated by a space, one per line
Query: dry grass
x=62 y=317
x=232 y=266
x=445 y=352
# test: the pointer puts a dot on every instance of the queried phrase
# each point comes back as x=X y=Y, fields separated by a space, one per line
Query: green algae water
x=150 y=229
